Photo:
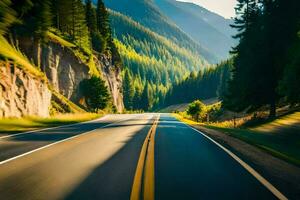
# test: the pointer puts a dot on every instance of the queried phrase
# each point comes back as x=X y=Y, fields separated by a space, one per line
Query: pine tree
x=90 y=14
x=243 y=90
x=70 y=19
x=103 y=25
x=79 y=33
x=137 y=99
x=288 y=17
x=128 y=90
x=261 y=55
x=145 y=104
x=96 y=93
x=43 y=19
x=63 y=15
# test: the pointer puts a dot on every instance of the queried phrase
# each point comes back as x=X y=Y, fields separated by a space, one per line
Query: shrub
x=95 y=92
x=197 y=110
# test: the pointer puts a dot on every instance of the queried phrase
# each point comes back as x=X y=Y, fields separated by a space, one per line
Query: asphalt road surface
x=100 y=159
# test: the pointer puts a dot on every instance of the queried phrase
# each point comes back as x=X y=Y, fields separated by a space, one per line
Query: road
x=139 y=156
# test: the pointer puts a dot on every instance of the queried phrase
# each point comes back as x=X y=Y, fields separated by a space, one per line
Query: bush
x=95 y=92
x=197 y=110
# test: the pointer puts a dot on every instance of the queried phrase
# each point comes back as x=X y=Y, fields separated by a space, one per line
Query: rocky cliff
x=63 y=67
x=21 y=93
x=65 y=70
x=112 y=75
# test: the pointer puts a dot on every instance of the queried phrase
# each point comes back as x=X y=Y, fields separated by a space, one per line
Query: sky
x=224 y=8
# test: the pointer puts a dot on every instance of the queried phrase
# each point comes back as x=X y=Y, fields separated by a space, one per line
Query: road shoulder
x=283 y=175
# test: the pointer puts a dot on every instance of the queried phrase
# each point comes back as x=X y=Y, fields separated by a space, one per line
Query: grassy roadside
x=16 y=125
x=280 y=138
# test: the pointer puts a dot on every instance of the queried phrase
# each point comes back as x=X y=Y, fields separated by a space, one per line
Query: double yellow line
x=143 y=183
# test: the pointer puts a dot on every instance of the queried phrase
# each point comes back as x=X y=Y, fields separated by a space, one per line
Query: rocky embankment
x=22 y=94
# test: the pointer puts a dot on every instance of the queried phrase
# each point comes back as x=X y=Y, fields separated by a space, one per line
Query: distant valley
x=159 y=48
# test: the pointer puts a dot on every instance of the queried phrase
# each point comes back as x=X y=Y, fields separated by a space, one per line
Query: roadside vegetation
x=279 y=137
x=16 y=125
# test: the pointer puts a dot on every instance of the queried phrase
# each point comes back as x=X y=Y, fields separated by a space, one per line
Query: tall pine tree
x=128 y=90
x=243 y=91
x=90 y=14
x=79 y=33
x=43 y=19
x=103 y=25
x=144 y=103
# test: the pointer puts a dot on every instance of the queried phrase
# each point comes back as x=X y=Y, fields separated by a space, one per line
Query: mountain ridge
x=210 y=30
x=149 y=15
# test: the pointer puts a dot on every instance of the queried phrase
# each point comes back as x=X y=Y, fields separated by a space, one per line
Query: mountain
x=152 y=59
x=149 y=15
x=156 y=52
x=207 y=28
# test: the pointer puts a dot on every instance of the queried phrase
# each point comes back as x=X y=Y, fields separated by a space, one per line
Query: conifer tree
x=90 y=14
x=243 y=91
x=145 y=104
x=103 y=25
x=79 y=33
x=260 y=55
x=96 y=93
x=137 y=99
x=63 y=15
x=43 y=19
x=128 y=90
x=102 y=19
x=288 y=16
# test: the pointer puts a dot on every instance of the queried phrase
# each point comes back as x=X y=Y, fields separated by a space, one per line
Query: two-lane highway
x=110 y=157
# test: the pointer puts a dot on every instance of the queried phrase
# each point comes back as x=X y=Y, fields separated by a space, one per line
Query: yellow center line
x=144 y=174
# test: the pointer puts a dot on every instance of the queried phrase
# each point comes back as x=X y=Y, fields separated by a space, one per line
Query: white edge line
x=49 y=145
x=252 y=171
x=54 y=127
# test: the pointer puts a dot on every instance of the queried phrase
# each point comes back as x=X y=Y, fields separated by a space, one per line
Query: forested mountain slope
x=149 y=15
x=151 y=59
x=209 y=29
x=207 y=84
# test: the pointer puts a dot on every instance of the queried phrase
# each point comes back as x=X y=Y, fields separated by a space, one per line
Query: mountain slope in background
x=209 y=29
x=156 y=52
x=151 y=55
x=148 y=14
x=151 y=59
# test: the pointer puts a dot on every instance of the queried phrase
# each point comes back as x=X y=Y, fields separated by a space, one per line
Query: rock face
x=65 y=71
x=112 y=76
x=22 y=94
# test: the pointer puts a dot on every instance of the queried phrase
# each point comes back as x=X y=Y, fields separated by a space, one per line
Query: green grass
x=16 y=125
x=280 y=137
x=283 y=145
x=10 y=52
x=55 y=38
x=72 y=107
x=285 y=123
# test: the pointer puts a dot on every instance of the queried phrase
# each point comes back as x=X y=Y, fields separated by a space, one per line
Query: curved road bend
x=102 y=162
x=189 y=166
